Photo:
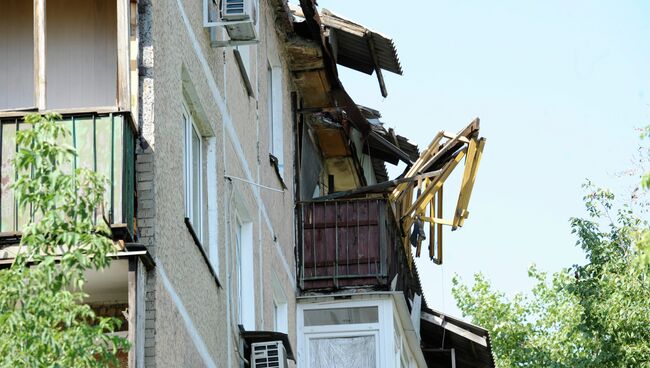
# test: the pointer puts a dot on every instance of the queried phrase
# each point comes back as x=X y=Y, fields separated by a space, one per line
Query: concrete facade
x=191 y=313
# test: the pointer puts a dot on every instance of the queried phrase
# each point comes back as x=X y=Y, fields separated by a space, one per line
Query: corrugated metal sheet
x=344 y=244
x=438 y=340
x=352 y=48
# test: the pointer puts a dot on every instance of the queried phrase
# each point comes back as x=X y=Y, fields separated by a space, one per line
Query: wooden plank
x=432 y=227
x=39 y=54
x=451 y=135
x=428 y=193
x=470 y=185
x=437 y=220
x=469 y=163
x=380 y=187
x=123 y=59
x=439 y=232
x=373 y=55
x=473 y=126
x=433 y=146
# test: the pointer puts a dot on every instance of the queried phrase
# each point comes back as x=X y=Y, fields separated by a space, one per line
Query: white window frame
x=245 y=269
x=383 y=328
x=123 y=61
x=280 y=307
x=329 y=335
x=189 y=128
x=275 y=99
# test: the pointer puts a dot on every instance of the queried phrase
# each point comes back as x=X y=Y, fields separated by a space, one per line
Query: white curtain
x=342 y=352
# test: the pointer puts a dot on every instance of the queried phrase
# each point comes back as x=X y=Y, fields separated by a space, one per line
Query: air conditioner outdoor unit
x=269 y=354
x=239 y=18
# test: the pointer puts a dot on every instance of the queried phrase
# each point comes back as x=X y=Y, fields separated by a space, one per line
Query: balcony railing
x=105 y=143
x=348 y=243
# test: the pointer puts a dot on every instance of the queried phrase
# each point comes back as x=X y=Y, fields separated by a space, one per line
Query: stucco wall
x=188 y=318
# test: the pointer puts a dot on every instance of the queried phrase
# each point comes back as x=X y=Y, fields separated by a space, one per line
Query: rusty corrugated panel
x=342 y=244
x=352 y=49
x=379 y=167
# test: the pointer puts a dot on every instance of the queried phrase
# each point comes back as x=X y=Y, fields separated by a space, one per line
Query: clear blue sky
x=560 y=87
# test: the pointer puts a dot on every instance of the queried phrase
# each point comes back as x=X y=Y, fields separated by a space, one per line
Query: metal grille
x=268 y=355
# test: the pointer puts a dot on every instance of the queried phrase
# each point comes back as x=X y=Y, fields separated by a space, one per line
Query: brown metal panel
x=343 y=244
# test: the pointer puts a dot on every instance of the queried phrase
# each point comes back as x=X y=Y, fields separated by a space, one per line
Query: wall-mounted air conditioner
x=268 y=355
x=238 y=17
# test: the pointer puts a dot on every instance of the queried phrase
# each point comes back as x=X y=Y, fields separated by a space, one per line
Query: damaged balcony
x=349 y=243
x=105 y=143
x=369 y=236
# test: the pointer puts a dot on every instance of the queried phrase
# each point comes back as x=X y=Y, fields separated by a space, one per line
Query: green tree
x=43 y=320
x=644 y=243
x=593 y=315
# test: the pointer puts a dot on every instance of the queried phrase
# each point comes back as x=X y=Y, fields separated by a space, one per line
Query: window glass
x=16 y=54
x=193 y=176
x=276 y=145
x=196 y=181
x=349 y=352
x=341 y=316
x=238 y=255
x=81 y=53
x=270 y=107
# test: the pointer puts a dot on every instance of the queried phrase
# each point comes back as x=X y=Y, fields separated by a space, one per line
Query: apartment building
x=195 y=137
x=248 y=196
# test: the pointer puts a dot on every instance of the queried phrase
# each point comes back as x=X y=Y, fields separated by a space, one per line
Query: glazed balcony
x=105 y=143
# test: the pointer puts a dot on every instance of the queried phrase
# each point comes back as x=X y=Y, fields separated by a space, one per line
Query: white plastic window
x=346 y=351
x=245 y=274
x=341 y=316
x=193 y=175
x=280 y=308
x=274 y=107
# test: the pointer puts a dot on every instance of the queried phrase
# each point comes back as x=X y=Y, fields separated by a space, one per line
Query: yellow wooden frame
x=429 y=198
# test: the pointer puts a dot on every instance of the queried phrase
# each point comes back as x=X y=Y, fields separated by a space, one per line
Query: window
x=17 y=50
x=66 y=57
x=341 y=316
x=81 y=53
x=280 y=308
x=343 y=351
x=345 y=335
x=274 y=107
x=193 y=176
x=245 y=273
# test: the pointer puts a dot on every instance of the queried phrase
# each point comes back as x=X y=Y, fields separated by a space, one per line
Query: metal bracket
x=228 y=43
x=232 y=43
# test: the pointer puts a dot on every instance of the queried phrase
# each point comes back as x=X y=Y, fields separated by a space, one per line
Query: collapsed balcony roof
x=358 y=47
x=377 y=146
x=443 y=335
x=313 y=60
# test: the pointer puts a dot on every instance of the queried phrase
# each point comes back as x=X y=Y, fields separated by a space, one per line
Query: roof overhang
x=358 y=47
x=252 y=337
x=442 y=333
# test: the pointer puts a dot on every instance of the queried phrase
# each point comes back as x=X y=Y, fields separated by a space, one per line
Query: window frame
x=124 y=53
x=380 y=328
x=280 y=307
x=189 y=128
x=274 y=101
x=376 y=333
x=245 y=270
